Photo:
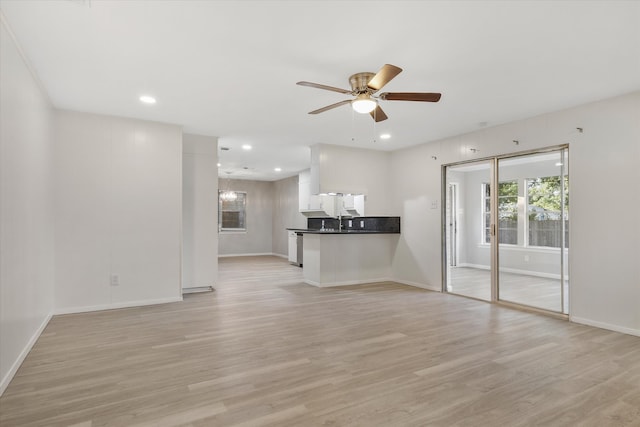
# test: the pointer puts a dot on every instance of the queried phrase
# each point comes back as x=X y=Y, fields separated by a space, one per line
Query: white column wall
x=604 y=163
x=118 y=203
x=26 y=208
x=199 y=211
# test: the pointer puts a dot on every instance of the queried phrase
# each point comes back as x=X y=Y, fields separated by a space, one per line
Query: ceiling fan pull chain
x=375 y=120
x=353 y=126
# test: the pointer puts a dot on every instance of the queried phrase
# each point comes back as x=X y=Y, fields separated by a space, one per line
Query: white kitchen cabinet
x=328 y=204
x=321 y=205
x=352 y=204
x=314 y=204
x=304 y=191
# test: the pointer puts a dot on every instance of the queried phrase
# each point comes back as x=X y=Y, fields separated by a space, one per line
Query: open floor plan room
x=267 y=349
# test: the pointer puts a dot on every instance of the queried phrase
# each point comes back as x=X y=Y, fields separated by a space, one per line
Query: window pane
x=232 y=214
x=508 y=212
x=486 y=212
x=544 y=197
x=231 y=220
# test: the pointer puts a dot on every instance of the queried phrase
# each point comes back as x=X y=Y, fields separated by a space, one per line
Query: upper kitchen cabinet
x=304 y=190
x=351 y=204
x=330 y=205
x=315 y=205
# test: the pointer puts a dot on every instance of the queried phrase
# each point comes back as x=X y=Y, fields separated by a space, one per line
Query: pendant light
x=228 y=195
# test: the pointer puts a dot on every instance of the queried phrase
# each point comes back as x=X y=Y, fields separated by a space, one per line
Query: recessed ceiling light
x=219 y=164
x=278 y=169
x=246 y=147
x=385 y=136
x=147 y=99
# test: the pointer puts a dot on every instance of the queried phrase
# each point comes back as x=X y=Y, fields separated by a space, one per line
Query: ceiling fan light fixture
x=363 y=104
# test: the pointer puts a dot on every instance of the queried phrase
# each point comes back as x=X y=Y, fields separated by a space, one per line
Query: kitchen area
x=334 y=220
x=340 y=245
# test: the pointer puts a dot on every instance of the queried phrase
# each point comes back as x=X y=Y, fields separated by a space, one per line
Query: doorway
x=506 y=228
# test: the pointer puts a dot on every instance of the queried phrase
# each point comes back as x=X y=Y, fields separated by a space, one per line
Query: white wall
x=258 y=237
x=605 y=201
x=199 y=211
x=341 y=169
x=26 y=209
x=118 y=203
x=286 y=213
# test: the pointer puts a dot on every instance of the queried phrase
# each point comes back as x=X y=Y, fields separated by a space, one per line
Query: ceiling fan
x=365 y=85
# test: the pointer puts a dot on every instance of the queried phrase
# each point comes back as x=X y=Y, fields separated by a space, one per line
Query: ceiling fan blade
x=384 y=76
x=325 y=87
x=329 y=107
x=378 y=115
x=411 y=96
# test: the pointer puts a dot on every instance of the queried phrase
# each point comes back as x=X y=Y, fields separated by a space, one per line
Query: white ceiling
x=229 y=68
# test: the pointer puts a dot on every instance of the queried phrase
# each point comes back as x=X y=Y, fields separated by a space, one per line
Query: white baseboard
x=603 y=325
x=254 y=254
x=23 y=354
x=128 y=304
x=418 y=285
x=197 y=289
x=346 y=283
x=477 y=266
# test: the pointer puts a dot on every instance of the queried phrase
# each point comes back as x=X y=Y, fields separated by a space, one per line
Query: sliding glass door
x=534 y=227
x=506 y=225
x=468 y=222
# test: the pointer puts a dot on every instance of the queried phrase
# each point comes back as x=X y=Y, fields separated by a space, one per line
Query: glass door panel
x=467 y=220
x=533 y=225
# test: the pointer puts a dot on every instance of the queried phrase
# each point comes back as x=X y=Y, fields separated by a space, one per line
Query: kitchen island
x=347 y=256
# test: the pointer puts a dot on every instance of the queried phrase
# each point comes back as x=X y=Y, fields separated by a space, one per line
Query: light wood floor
x=266 y=349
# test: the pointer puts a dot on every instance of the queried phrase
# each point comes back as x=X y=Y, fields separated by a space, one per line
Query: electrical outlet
x=115 y=280
x=526 y=258
x=434 y=204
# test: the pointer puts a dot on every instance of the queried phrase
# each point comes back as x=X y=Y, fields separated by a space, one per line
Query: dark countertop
x=309 y=231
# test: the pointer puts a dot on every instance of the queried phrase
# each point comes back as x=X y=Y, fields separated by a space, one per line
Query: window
x=507 y=212
x=544 y=211
x=232 y=214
